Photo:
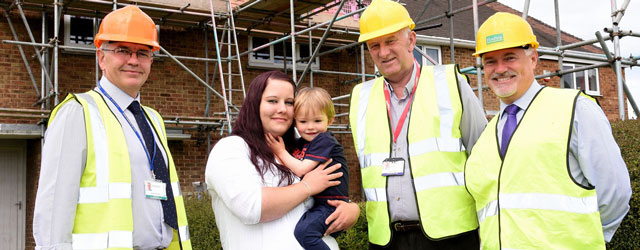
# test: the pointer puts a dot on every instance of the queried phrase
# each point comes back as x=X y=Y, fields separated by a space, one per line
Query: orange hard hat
x=128 y=24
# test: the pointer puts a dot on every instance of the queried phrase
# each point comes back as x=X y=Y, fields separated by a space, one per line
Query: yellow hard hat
x=502 y=31
x=383 y=17
x=128 y=24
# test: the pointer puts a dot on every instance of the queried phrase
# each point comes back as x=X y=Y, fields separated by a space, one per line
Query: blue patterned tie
x=159 y=167
x=509 y=127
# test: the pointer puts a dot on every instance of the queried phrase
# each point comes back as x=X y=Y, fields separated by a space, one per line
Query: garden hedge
x=205 y=236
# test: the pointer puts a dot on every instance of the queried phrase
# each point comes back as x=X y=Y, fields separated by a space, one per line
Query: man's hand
x=345 y=216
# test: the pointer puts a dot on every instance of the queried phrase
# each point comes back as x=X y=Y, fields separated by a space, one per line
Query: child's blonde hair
x=314 y=100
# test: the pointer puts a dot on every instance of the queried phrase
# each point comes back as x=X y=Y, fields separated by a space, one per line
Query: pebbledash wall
x=173 y=92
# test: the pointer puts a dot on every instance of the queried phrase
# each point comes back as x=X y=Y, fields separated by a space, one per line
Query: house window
x=431 y=51
x=586 y=80
x=274 y=56
x=79 y=31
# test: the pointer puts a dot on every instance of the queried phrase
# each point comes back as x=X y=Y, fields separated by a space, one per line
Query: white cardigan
x=236 y=196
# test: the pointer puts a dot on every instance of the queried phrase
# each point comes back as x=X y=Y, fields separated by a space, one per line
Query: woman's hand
x=345 y=216
x=275 y=143
x=321 y=177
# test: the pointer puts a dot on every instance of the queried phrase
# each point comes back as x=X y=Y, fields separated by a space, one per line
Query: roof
x=463 y=22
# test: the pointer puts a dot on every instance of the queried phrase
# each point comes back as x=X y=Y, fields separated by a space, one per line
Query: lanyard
x=387 y=98
x=149 y=158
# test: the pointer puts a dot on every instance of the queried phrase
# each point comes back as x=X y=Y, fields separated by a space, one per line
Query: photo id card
x=393 y=167
x=155 y=189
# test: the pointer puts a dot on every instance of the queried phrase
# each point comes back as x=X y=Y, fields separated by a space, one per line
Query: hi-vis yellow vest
x=436 y=154
x=104 y=215
x=529 y=200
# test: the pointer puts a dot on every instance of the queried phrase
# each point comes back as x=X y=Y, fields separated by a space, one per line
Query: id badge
x=393 y=167
x=155 y=189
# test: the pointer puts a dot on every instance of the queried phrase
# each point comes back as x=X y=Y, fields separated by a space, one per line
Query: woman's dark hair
x=248 y=125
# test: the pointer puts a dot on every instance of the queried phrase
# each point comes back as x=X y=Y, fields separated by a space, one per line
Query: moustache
x=504 y=74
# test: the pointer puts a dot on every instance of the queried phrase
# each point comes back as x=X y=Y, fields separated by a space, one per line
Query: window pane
x=417 y=55
x=580 y=80
x=81 y=30
x=567 y=80
x=304 y=50
x=433 y=53
x=593 y=82
x=278 y=52
x=262 y=54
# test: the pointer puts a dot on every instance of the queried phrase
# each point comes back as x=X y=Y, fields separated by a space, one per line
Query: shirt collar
x=407 y=88
x=120 y=97
x=524 y=101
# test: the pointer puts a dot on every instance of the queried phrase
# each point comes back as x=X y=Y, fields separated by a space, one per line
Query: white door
x=12 y=193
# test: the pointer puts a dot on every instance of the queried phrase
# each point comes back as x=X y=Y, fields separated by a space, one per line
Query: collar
x=122 y=98
x=408 y=87
x=525 y=100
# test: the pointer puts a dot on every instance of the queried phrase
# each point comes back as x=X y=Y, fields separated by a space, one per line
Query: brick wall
x=174 y=92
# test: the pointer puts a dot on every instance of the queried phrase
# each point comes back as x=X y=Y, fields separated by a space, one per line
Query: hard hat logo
x=128 y=24
x=495 y=38
x=504 y=30
x=383 y=17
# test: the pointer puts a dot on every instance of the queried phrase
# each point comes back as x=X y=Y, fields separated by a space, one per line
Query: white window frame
x=595 y=92
x=67 y=32
x=424 y=48
x=270 y=63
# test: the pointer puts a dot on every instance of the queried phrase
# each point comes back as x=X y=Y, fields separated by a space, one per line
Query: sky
x=584 y=19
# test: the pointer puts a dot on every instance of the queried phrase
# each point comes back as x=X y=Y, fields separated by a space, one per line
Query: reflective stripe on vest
x=530 y=201
x=555 y=202
x=105 y=186
x=436 y=154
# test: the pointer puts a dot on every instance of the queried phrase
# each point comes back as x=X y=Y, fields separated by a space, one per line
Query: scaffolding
x=284 y=21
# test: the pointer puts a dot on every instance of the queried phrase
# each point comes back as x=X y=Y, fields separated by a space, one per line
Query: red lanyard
x=387 y=98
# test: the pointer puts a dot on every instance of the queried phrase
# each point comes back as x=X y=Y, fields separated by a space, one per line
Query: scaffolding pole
x=324 y=36
x=558 y=32
x=615 y=18
x=454 y=12
x=24 y=58
x=478 y=60
x=56 y=40
x=293 y=43
x=301 y=32
x=605 y=48
x=219 y=63
x=451 y=47
x=33 y=40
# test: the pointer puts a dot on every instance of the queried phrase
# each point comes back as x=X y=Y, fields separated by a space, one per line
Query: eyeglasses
x=125 y=53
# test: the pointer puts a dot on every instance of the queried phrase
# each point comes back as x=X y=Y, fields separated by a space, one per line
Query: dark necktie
x=159 y=167
x=509 y=127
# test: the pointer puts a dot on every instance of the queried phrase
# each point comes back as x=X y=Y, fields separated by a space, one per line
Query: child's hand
x=275 y=143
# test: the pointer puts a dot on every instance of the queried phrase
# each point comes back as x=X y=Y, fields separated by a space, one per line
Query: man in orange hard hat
x=107 y=178
x=546 y=173
x=412 y=130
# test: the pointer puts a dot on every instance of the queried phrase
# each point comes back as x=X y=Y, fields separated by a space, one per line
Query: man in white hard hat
x=412 y=130
x=546 y=173
x=107 y=178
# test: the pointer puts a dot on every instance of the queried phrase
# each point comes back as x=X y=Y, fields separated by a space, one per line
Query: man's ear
x=100 y=56
x=534 y=58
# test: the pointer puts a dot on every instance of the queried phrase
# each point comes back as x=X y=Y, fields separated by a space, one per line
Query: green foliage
x=627 y=134
x=202 y=225
x=356 y=237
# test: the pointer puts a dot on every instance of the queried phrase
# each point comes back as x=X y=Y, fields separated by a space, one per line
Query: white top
x=236 y=196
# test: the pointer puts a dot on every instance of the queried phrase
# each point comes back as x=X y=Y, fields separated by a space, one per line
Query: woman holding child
x=256 y=200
